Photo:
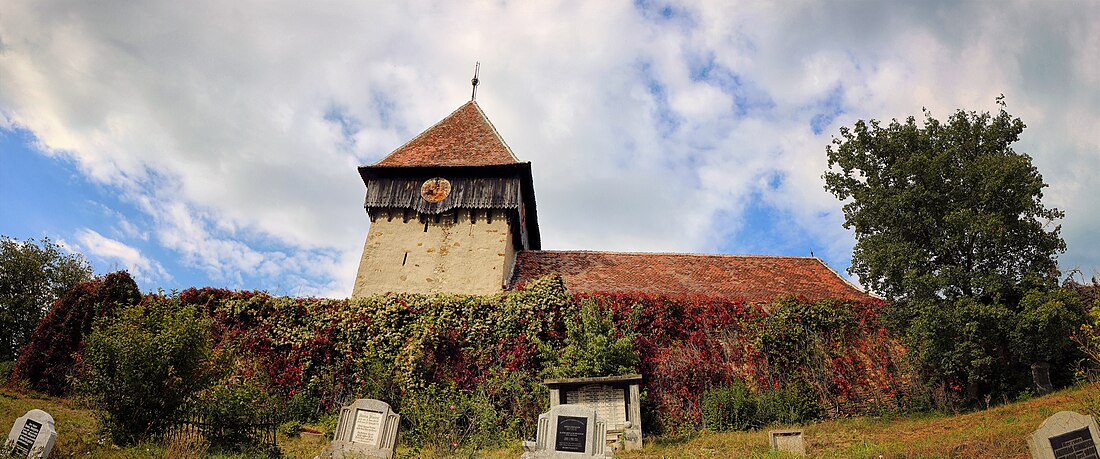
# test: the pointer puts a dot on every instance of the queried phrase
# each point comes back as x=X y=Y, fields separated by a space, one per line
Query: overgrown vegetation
x=466 y=372
x=32 y=276
x=48 y=362
x=139 y=369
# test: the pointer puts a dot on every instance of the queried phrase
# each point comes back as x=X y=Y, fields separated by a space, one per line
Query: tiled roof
x=756 y=279
x=463 y=138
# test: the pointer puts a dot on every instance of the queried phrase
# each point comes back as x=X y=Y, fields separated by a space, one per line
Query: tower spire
x=477 y=67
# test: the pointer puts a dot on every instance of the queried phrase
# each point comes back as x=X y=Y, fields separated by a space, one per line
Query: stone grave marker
x=367 y=428
x=790 y=441
x=615 y=398
x=1040 y=376
x=568 y=432
x=32 y=436
x=1065 y=435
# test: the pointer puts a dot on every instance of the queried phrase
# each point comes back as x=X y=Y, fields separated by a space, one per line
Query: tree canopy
x=32 y=276
x=944 y=210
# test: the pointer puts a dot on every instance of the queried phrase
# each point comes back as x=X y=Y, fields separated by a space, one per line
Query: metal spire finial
x=477 y=67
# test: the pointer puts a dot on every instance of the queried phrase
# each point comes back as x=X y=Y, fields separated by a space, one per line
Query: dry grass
x=996 y=432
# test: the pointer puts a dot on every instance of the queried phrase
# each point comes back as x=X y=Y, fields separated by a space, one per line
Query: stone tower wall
x=458 y=254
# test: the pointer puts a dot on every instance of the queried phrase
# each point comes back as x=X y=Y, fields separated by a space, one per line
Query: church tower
x=449 y=210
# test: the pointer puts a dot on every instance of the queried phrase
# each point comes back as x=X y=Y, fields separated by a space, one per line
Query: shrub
x=730 y=407
x=140 y=367
x=789 y=405
x=446 y=420
x=6 y=368
x=229 y=411
x=595 y=345
x=47 y=362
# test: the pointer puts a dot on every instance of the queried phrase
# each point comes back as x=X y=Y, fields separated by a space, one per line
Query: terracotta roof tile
x=756 y=279
x=463 y=138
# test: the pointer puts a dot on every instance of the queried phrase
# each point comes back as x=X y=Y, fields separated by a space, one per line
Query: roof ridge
x=485 y=117
x=465 y=137
x=848 y=282
x=725 y=255
x=425 y=131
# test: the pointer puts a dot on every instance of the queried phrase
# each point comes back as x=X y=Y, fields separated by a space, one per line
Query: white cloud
x=111 y=251
x=236 y=128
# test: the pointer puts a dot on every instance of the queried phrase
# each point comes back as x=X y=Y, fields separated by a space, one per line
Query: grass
x=996 y=432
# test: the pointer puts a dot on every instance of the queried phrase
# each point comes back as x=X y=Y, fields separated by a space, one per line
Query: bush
x=730 y=407
x=445 y=420
x=230 y=409
x=595 y=346
x=47 y=362
x=6 y=370
x=140 y=367
x=789 y=405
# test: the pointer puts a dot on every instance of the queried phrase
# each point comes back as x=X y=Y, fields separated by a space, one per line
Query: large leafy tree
x=950 y=226
x=32 y=276
x=944 y=210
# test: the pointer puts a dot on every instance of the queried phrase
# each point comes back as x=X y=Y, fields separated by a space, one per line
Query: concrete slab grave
x=615 y=398
x=1065 y=435
x=367 y=428
x=568 y=432
x=789 y=440
x=32 y=436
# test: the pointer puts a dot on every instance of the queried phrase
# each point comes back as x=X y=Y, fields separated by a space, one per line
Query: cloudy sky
x=213 y=143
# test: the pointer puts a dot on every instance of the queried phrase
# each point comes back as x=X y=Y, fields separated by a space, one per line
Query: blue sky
x=215 y=143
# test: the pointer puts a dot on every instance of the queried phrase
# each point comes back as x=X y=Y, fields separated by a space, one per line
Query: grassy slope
x=997 y=432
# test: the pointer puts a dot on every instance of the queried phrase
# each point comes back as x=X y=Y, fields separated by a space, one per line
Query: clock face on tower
x=435 y=189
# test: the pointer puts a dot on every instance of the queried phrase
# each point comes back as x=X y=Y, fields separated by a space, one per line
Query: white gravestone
x=568 y=432
x=367 y=428
x=616 y=399
x=32 y=436
x=609 y=402
x=1065 y=435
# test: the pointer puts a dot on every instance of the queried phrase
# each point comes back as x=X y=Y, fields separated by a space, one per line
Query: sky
x=213 y=143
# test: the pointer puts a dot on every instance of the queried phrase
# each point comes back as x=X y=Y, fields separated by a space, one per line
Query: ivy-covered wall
x=485 y=356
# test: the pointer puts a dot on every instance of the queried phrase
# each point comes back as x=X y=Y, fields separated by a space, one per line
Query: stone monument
x=367 y=428
x=32 y=436
x=789 y=440
x=615 y=398
x=1064 y=435
x=568 y=432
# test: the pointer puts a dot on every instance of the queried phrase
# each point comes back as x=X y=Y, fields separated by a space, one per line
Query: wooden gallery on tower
x=453 y=211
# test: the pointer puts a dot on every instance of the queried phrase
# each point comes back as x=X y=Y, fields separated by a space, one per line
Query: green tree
x=944 y=210
x=950 y=226
x=32 y=276
x=140 y=367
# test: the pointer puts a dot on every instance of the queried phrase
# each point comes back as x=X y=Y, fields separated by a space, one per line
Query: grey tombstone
x=788 y=440
x=32 y=436
x=1065 y=435
x=1040 y=376
x=367 y=428
x=615 y=398
x=568 y=432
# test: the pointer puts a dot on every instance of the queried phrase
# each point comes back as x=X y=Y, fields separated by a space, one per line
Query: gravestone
x=568 y=432
x=788 y=440
x=32 y=436
x=367 y=428
x=1040 y=376
x=1065 y=435
x=615 y=398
